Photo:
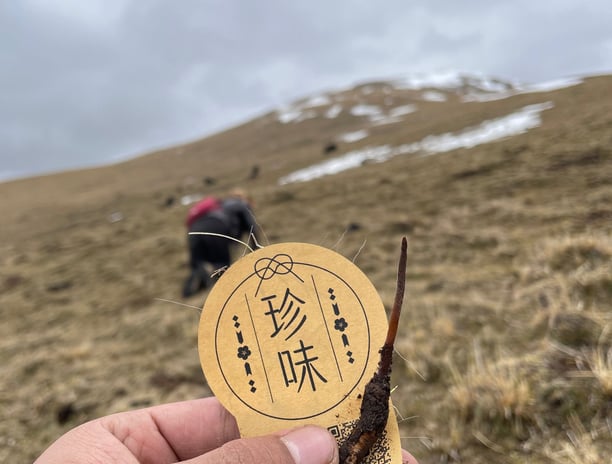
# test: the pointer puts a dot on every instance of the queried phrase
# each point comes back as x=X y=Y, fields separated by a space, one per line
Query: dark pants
x=206 y=249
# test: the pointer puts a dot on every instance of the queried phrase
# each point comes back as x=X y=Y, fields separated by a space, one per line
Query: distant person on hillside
x=227 y=217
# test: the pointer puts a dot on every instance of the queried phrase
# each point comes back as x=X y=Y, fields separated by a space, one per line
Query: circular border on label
x=345 y=395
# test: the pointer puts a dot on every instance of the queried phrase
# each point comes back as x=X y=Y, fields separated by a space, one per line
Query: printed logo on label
x=299 y=331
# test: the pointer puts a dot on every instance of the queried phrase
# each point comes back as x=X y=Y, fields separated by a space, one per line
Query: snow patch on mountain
x=433 y=96
x=488 y=131
x=365 y=110
x=518 y=89
x=333 y=111
x=351 y=137
x=451 y=80
x=402 y=110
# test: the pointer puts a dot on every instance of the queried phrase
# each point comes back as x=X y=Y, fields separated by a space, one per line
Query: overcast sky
x=85 y=82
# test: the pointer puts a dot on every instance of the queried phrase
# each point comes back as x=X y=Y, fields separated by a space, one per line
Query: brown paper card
x=289 y=336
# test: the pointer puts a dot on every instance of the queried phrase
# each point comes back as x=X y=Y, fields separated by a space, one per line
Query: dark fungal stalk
x=375 y=402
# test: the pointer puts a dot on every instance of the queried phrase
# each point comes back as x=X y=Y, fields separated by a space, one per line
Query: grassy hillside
x=506 y=338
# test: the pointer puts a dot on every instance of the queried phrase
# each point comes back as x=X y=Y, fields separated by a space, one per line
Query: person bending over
x=231 y=217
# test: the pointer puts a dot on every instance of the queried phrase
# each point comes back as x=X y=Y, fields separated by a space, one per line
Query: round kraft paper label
x=289 y=335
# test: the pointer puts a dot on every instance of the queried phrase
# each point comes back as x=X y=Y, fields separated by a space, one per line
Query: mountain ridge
x=480 y=84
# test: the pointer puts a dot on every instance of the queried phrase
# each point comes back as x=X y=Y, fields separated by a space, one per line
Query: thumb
x=305 y=445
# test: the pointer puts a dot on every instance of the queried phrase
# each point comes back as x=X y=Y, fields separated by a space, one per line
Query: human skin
x=199 y=431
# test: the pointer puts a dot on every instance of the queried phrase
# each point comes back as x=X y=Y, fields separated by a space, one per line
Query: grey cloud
x=96 y=80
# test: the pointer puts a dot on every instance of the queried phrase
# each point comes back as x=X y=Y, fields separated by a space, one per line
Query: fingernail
x=311 y=445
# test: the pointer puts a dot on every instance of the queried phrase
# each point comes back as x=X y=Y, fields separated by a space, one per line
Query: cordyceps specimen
x=375 y=403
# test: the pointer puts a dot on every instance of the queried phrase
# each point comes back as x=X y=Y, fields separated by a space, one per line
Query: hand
x=196 y=432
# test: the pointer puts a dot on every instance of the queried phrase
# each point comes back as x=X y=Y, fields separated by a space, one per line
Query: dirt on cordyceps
x=505 y=333
x=372 y=421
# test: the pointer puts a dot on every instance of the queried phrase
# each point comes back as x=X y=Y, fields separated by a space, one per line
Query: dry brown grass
x=580 y=446
x=600 y=363
x=493 y=390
